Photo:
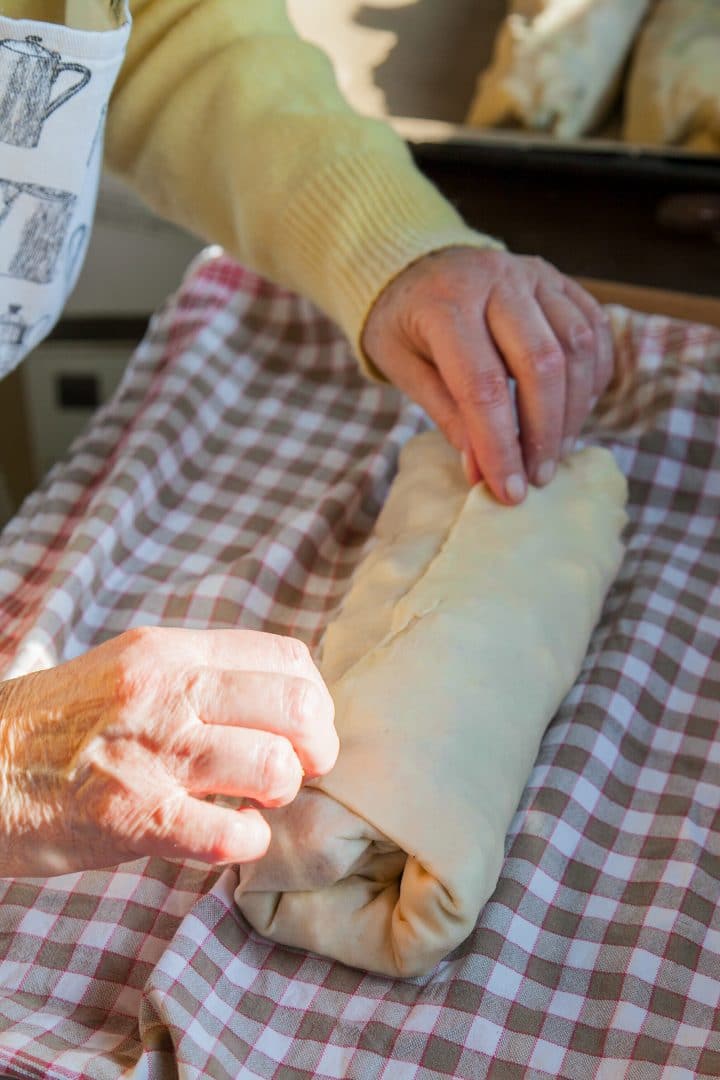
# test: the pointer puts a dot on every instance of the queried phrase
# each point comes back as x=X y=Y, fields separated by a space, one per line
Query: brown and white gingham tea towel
x=233 y=480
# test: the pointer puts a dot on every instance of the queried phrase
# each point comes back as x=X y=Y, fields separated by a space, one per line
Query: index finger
x=537 y=360
x=227 y=649
x=475 y=375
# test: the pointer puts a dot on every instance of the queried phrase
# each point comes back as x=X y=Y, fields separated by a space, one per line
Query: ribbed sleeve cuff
x=356 y=226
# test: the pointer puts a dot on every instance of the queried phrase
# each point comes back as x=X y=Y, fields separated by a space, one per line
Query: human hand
x=106 y=758
x=457 y=325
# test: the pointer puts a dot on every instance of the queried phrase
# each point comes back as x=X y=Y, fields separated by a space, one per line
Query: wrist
x=29 y=794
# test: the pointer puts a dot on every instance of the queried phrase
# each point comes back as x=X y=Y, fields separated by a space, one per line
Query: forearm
x=228 y=123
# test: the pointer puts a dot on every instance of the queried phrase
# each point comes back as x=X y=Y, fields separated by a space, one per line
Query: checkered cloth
x=234 y=479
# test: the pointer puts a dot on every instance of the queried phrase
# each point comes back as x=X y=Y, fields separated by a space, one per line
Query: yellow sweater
x=226 y=122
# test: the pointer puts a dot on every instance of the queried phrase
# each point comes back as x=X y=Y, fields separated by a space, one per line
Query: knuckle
x=130 y=682
x=453 y=265
x=484 y=266
x=278 y=770
x=141 y=637
x=451 y=306
x=602 y=315
x=161 y=819
x=444 y=312
x=188 y=754
x=545 y=361
x=598 y=315
x=535 y=265
x=302 y=703
x=193 y=686
x=485 y=389
x=128 y=819
x=135 y=666
x=220 y=847
x=581 y=338
x=295 y=652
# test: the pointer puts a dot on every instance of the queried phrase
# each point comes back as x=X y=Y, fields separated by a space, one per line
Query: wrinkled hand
x=452 y=331
x=107 y=757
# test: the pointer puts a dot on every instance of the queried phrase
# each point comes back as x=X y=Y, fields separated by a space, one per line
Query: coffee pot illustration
x=34 y=222
x=16 y=334
x=28 y=73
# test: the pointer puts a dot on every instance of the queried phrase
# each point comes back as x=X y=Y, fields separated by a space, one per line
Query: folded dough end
x=361 y=922
x=331 y=883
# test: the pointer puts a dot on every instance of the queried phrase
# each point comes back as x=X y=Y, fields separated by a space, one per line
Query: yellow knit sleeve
x=225 y=121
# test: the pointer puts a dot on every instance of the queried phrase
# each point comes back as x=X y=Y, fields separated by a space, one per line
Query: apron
x=55 y=83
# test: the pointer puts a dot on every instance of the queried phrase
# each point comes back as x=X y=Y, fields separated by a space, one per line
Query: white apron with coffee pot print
x=55 y=83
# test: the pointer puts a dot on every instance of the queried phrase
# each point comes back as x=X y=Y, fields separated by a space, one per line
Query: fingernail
x=546 y=472
x=515 y=487
x=567 y=446
x=466 y=466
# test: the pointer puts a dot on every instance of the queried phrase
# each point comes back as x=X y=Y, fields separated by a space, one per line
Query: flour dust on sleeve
x=55 y=83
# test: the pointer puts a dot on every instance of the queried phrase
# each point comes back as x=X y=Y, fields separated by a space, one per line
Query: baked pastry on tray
x=557 y=65
x=673 y=90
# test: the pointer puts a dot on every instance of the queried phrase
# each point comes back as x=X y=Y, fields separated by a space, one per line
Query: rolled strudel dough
x=464 y=629
x=673 y=91
x=557 y=64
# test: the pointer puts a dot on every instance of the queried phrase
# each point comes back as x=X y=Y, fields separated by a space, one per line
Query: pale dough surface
x=673 y=91
x=464 y=629
x=557 y=64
